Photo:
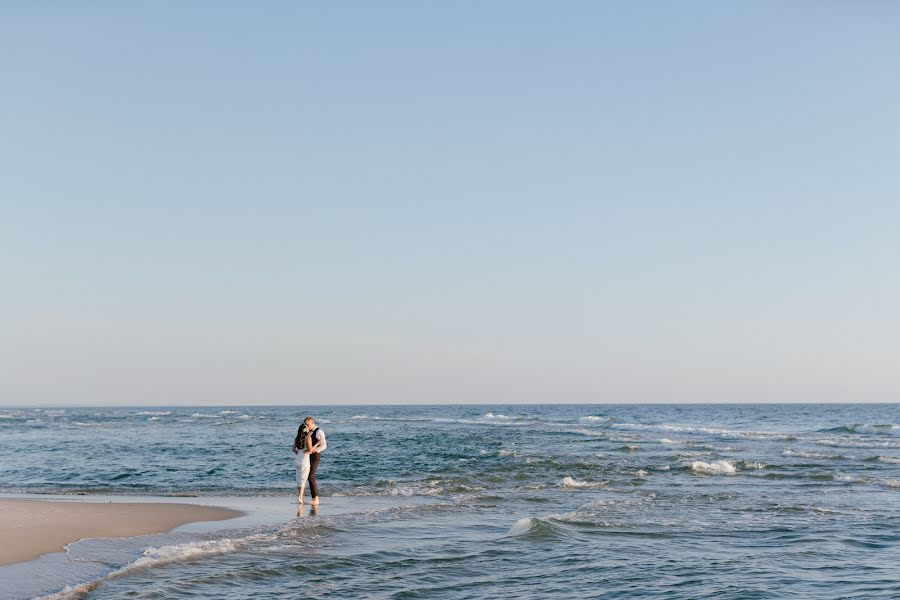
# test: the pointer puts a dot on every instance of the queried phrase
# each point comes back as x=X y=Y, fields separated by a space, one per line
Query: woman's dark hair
x=300 y=440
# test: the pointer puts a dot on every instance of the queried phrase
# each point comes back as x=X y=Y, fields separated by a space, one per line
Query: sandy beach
x=30 y=528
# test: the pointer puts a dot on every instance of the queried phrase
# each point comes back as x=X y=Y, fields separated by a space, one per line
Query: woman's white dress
x=302 y=460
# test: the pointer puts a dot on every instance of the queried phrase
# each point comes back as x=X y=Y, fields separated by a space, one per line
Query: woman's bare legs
x=300 y=491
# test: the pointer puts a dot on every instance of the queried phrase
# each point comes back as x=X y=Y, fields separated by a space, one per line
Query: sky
x=449 y=202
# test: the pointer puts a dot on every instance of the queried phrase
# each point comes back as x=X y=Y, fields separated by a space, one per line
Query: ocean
x=563 y=501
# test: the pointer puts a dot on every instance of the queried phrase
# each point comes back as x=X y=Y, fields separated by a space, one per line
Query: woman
x=302 y=448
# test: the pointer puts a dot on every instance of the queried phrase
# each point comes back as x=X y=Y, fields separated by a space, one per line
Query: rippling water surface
x=765 y=501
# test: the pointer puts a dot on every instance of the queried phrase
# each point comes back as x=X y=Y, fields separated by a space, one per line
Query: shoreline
x=31 y=528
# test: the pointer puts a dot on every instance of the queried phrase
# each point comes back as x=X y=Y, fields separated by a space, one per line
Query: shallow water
x=793 y=501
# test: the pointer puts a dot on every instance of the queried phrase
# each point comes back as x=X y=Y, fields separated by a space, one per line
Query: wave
x=488 y=418
x=430 y=488
x=879 y=428
x=405 y=419
x=587 y=432
x=891 y=483
x=888 y=459
x=802 y=454
x=707 y=430
x=521 y=527
x=855 y=443
x=490 y=415
x=154 y=412
x=157 y=557
x=205 y=416
x=719 y=467
x=849 y=478
x=593 y=419
x=540 y=527
x=533 y=527
x=569 y=482
x=749 y=465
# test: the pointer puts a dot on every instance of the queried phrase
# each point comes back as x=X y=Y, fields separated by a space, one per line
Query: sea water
x=606 y=501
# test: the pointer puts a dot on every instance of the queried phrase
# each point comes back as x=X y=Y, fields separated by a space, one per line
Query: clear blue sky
x=413 y=202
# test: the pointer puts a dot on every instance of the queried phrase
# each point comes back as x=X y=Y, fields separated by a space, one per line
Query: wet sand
x=30 y=528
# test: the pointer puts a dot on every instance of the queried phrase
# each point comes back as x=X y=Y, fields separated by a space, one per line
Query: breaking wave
x=731 y=433
x=157 y=557
x=593 y=419
x=719 y=467
x=569 y=482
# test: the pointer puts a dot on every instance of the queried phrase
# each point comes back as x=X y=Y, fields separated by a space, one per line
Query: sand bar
x=30 y=528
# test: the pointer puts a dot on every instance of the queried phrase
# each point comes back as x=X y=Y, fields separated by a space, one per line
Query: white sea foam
x=520 y=527
x=569 y=482
x=498 y=417
x=855 y=443
x=506 y=453
x=153 y=419
x=204 y=416
x=593 y=419
x=405 y=419
x=888 y=428
x=889 y=459
x=707 y=430
x=753 y=465
x=227 y=412
x=802 y=454
x=641 y=473
x=891 y=483
x=392 y=488
x=156 y=557
x=723 y=448
x=164 y=555
x=154 y=412
x=668 y=441
x=719 y=467
x=850 y=478
x=588 y=432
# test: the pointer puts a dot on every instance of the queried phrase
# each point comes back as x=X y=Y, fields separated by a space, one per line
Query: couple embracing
x=308 y=445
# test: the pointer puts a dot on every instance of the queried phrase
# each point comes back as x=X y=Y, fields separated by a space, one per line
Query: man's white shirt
x=320 y=442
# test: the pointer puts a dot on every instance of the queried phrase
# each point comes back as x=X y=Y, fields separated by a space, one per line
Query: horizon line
x=700 y=403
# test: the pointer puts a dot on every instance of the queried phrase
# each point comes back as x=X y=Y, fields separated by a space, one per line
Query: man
x=317 y=436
